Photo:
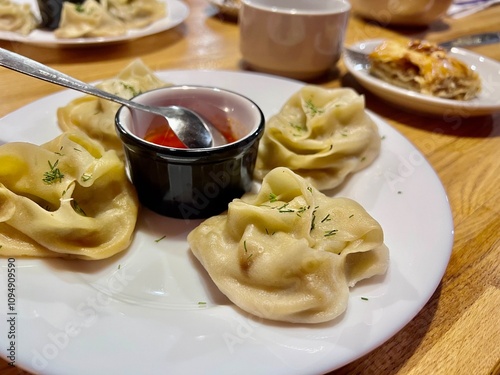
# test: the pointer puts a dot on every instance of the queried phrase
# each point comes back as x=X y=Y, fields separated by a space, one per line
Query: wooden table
x=458 y=331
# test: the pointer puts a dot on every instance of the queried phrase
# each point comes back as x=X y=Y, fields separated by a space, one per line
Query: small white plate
x=486 y=103
x=227 y=7
x=140 y=313
x=177 y=12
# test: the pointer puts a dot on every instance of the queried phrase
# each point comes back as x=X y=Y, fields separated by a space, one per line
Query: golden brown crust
x=424 y=67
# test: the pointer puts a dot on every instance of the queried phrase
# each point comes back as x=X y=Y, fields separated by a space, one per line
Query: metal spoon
x=189 y=127
x=360 y=59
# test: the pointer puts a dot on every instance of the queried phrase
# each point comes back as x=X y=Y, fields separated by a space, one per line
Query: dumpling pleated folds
x=96 y=117
x=89 y=19
x=289 y=252
x=136 y=13
x=321 y=134
x=67 y=198
x=17 y=17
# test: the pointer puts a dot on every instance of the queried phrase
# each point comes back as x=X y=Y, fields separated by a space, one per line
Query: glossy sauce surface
x=160 y=133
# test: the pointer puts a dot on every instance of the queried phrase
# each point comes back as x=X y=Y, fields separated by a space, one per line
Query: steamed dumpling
x=322 y=135
x=136 y=13
x=96 y=117
x=67 y=198
x=289 y=252
x=89 y=19
x=17 y=17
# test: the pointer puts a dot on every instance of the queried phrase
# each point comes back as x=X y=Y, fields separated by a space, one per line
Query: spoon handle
x=35 y=69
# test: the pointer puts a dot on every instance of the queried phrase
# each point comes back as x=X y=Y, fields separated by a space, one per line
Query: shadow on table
x=453 y=124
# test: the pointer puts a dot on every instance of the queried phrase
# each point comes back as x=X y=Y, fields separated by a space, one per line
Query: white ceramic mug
x=300 y=39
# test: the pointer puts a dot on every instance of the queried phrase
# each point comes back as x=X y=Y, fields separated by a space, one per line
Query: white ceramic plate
x=139 y=312
x=228 y=7
x=486 y=103
x=177 y=12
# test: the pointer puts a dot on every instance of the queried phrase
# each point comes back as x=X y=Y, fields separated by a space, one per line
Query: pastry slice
x=426 y=68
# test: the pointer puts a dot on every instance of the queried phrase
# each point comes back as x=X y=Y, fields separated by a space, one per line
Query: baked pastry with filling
x=426 y=68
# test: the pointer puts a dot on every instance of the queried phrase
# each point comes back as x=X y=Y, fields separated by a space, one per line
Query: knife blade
x=472 y=40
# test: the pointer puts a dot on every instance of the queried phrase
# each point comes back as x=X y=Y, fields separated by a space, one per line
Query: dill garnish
x=298 y=127
x=86 y=177
x=285 y=208
x=53 y=175
x=159 y=239
x=130 y=88
x=272 y=197
x=59 y=152
x=312 y=108
x=77 y=208
x=329 y=233
x=313 y=221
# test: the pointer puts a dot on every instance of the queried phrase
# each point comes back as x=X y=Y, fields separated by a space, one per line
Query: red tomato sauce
x=164 y=136
x=161 y=134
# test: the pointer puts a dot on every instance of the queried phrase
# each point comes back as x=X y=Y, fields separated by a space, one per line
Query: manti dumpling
x=89 y=19
x=17 y=17
x=67 y=198
x=96 y=117
x=322 y=135
x=136 y=13
x=289 y=252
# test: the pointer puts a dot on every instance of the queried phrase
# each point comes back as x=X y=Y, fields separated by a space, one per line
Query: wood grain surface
x=458 y=330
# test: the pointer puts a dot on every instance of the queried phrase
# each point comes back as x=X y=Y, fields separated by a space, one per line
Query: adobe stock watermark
x=244 y=327
x=86 y=315
x=405 y=169
x=11 y=311
x=235 y=173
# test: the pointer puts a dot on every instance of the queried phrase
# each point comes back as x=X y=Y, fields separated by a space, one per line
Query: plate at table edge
x=177 y=12
x=487 y=102
x=153 y=308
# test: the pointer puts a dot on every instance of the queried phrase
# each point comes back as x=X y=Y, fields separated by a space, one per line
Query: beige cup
x=299 y=39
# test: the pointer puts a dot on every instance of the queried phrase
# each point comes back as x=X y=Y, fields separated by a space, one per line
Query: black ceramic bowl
x=192 y=183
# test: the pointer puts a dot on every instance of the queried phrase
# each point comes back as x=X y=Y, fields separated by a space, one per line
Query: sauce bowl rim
x=128 y=137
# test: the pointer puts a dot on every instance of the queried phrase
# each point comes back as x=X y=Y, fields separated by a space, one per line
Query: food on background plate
x=67 y=198
x=424 y=67
x=289 y=252
x=89 y=19
x=137 y=14
x=96 y=117
x=321 y=134
x=17 y=17
x=107 y=18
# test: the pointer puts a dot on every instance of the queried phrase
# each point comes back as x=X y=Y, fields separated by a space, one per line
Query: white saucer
x=486 y=103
